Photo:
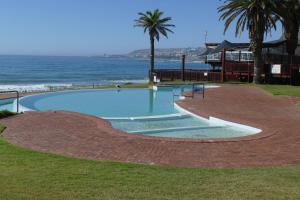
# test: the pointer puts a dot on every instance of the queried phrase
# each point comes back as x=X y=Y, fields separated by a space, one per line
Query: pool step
x=175 y=129
x=155 y=117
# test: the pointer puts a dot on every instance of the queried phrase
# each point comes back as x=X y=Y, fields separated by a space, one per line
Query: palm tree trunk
x=257 y=45
x=258 y=67
x=291 y=36
x=151 y=59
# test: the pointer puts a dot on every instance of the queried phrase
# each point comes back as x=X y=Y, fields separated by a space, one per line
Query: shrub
x=6 y=113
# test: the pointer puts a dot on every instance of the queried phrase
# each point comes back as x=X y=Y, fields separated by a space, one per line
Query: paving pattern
x=83 y=136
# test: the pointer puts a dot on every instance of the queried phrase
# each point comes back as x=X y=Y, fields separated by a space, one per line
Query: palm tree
x=289 y=12
x=153 y=22
x=257 y=17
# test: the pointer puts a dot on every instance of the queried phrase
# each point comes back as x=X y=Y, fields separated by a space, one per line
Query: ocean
x=41 y=72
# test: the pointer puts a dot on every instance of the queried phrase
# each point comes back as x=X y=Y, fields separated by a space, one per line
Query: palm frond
x=154 y=23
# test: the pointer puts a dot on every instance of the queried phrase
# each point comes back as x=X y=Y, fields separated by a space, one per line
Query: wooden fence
x=189 y=75
x=240 y=71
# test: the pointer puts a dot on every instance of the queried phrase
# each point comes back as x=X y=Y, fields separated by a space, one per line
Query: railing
x=214 y=57
x=13 y=91
x=247 y=56
x=189 y=74
x=241 y=56
x=195 y=89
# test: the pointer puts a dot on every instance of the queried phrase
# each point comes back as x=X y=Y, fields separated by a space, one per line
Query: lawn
x=286 y=90
x=26 y=174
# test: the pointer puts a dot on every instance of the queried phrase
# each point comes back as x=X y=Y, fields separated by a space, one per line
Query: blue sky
x=95 y=27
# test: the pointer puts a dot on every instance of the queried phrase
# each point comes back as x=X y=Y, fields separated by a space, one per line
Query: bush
x=6 y=113
x=2 y=128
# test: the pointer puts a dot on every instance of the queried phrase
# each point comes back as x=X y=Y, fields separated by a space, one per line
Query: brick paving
x=83 y=136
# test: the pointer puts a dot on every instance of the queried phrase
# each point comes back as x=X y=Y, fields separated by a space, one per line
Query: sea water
x=27 y=73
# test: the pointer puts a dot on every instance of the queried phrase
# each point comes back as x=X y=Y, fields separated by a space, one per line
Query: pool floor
x=185 y=126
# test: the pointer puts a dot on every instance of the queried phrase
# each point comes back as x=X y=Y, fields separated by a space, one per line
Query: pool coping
x=252 y=136
x=90 y=137
x=257 y=136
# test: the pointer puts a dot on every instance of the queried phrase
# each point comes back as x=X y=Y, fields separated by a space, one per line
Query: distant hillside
x=171 y=53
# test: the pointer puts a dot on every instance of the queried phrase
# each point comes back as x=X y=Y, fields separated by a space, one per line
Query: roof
x=275 y=43
x=229 y=46
x=212 y=48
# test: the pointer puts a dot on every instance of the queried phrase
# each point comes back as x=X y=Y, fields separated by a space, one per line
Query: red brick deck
x=83 y=136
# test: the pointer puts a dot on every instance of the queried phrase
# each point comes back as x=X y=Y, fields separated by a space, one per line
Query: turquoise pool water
x=135 y=111
x=113 y=103
x=7 y=104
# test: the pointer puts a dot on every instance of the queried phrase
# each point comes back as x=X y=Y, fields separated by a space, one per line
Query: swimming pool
x=138 y=111
x=7 y=104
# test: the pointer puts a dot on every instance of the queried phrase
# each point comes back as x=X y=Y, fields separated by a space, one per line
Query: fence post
x=223 y=57
x=291 y=70
x=203 y=90
x=183 y=68
x=248 y=73
x=18 y=96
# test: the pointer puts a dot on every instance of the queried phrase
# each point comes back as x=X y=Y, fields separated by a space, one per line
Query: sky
x=97 y=27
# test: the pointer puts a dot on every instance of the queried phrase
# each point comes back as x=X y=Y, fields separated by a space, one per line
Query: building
x=234 y=62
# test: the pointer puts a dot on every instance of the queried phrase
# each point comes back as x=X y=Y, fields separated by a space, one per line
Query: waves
x=60 y=86
x=44 y=73
x=32 y=87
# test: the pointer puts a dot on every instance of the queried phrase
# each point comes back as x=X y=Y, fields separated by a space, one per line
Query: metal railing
x=242 y=56
x=13 y=91
x=194 y=90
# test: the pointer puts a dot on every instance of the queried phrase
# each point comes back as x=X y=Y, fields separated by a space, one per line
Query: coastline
x=44 y=87
x=37 y=73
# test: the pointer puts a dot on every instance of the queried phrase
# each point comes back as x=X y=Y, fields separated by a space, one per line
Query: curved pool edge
x=192 y=160
x=259 y=134
x=222 y=122
x=24 y=109
x=117 y=132
x=258 y=151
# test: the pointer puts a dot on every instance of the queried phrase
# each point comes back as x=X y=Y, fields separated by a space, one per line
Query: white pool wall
x=220 y=122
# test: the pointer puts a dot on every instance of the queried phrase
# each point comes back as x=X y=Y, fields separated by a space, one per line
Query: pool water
x=135 y=111
x=179 y=127
x=7 y=104
x=116 y=103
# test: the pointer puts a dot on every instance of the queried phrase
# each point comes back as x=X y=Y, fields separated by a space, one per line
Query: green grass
x=26 y=174
x=286 y=90
x=133 y=85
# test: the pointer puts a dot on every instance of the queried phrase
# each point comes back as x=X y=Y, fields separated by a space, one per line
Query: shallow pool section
x=137 y=111
x=185 y=126
x=7 y=104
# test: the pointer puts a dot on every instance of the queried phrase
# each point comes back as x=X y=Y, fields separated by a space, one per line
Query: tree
x=155 y=24
x=256 y=16
x=289 y=12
